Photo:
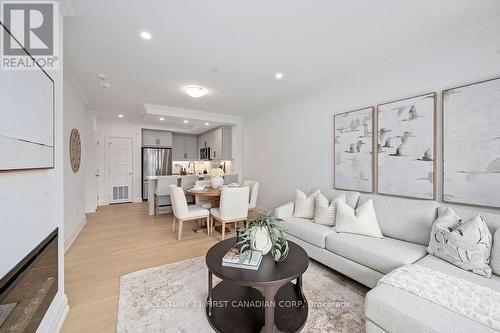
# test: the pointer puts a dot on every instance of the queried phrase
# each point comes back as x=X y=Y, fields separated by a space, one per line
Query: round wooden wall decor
x=75 y=150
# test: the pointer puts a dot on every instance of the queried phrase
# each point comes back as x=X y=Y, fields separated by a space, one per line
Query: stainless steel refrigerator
x=155 y=162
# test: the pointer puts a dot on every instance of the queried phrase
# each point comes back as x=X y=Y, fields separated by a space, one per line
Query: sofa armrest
x=285 y=210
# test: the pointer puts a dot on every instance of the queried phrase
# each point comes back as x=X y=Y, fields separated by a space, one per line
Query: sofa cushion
x=405 y=219
x=307 y=230
x=361 y=221
x=305 y=204
x=351 y=197
x=464 y=244
x=397 y=310
x=380 y=254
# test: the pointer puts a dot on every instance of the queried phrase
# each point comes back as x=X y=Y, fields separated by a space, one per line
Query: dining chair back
x=233 y=203
x=179 y=203
x=254 y=192
x=162 y=191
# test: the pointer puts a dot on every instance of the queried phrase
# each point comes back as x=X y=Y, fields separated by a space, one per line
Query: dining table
x=214 y=195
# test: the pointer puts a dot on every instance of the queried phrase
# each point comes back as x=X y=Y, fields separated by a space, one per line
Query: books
x=232 y=259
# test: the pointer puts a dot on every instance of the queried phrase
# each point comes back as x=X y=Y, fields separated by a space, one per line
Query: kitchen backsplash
x=200 y=166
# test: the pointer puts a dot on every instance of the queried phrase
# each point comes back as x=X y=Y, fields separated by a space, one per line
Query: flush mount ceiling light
x=120 y=116
x=145 y=35
x=104 y=84
x=278 y=76
x=207 y=124
x=186 y=121
x=195 y=91
x=162 y=119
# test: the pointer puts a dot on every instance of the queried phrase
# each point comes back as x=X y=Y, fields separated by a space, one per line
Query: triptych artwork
x=401 y=149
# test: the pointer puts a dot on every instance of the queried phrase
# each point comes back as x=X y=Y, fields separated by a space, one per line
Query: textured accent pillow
x=361 y=221
x=305 y=205
x=495 y=253
x=464 y=244
x=326 y=211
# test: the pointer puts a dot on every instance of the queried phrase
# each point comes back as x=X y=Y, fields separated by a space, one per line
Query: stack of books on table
x=232 y=259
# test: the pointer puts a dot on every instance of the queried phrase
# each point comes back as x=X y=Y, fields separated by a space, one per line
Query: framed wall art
x=471 y=144
x=353 y=150
x=406 y=147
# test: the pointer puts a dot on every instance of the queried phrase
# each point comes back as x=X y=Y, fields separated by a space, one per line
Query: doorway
x=120 y=169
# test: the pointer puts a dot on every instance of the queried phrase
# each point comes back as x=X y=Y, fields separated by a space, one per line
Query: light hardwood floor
x=116 y=240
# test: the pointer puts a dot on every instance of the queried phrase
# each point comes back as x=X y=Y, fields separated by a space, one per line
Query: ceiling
x=235 y=47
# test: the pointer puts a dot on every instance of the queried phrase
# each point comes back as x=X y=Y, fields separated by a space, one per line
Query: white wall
x=77 y=197
x=31 y=204
x=291 y=146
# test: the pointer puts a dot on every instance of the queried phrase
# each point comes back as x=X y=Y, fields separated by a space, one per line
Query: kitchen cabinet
x=184 y=147
x=153 y=138
x=219 y=142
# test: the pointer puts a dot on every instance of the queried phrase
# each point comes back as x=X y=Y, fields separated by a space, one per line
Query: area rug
x=171 y=298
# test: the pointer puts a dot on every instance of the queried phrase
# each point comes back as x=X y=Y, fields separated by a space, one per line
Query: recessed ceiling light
x=145 y=35
x=278 y=75
x=120 y=116
x=195 y=91
x=162 y=119
x=186 y=121
x=207 y=124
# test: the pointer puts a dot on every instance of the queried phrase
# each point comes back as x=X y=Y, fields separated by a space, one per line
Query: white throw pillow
x=464 y=244
x=305 y=205
x=362 y=221
x=495 y=253
x=325 y=212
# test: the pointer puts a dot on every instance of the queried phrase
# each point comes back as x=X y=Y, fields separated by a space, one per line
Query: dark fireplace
x=28 y=289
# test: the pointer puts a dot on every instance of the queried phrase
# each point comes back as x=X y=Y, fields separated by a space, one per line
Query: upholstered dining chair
x=254 y=192
x=161 y=191
x=233 y=207
x=187 y=183
x=183 y=212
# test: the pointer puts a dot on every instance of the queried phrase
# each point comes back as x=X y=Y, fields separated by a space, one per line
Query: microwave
x=205 y=153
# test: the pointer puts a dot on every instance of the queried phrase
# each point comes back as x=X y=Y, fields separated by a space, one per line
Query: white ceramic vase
x=261 y=241
x=216 y=182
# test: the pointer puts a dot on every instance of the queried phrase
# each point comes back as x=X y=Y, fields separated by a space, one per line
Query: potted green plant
x=264 y=234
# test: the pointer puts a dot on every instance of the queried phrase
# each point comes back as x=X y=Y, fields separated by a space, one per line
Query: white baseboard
x=62 y=313
x=74 y=234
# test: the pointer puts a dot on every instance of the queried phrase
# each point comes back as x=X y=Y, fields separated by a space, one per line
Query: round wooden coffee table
x=265 y=300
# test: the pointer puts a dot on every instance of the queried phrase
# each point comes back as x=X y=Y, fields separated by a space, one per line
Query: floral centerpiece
x=216 y=179
x=264 y=234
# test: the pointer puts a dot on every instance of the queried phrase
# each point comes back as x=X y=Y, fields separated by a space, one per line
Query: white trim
x=62 y=313
x=165 y=110
x=74 y=234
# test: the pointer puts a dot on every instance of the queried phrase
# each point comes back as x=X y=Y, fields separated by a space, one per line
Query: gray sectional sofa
x=406 y=225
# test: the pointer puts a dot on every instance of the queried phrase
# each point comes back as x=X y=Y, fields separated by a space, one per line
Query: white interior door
x=120 y=170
